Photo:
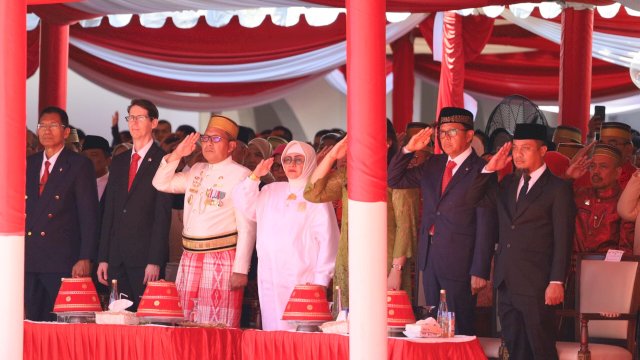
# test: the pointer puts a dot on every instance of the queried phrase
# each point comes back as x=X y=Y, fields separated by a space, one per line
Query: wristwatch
x=253 y=177
x=397 y=267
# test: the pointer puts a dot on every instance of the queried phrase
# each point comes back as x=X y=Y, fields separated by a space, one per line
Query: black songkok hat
x=530 y=132
x=96 y=142
x=456 y=116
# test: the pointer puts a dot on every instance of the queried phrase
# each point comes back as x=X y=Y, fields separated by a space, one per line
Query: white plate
x=413 y=335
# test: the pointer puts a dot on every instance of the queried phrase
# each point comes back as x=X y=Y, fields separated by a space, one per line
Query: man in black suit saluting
x=134 y=242
x=62 y=214
x=536 y=215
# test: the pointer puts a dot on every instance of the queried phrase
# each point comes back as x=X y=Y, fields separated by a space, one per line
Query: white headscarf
x=298 y=147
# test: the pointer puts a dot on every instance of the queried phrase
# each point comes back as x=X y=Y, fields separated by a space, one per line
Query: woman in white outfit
x=297 y=240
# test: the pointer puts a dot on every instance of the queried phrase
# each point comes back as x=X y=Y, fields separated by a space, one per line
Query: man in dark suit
x=536 y=215
x=62 y=213
x=456 y=240
x=134 y=241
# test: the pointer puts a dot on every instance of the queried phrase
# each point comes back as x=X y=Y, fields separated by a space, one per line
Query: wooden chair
x=605 y=287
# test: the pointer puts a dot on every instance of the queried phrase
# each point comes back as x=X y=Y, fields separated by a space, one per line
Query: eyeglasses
x=448 y=133
x=211 y=138
x=287 y=160
x=53 y=126
x=136 y=118
x=614 y=142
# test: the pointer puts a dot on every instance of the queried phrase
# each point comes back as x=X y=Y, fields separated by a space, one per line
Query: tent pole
x=367 y=179
x=13 y=72
x=575 y=66
x=54 y=60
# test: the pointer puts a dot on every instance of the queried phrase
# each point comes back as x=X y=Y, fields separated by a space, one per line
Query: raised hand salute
x=185 y=148
x=420 y=140
x=500 y=159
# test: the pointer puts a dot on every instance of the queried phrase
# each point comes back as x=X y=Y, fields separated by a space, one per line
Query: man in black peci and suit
x=62 y=214
x=134 y=241
x=536 y=214
x=456 y=241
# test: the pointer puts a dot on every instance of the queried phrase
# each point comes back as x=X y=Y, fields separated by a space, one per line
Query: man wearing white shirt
x=134 y=241
x=536 y=214
x=217 y=239
x=62 y=212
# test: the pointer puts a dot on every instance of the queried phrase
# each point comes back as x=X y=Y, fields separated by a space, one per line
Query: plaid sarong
x=205 y=276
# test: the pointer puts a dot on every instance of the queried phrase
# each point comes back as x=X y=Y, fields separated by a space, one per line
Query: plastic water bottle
x=114 y=291
x=443 y=318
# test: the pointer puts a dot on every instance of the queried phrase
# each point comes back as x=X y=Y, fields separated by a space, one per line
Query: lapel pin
x=149 y=159
x=60 y=169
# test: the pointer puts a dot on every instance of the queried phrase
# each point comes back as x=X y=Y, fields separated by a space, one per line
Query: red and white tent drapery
x=262 y=64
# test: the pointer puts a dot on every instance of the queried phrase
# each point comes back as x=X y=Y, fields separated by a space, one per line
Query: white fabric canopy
x=615 y=49
x=187 y=102
x=337 y=80
x=149 y=6
x=312 y=62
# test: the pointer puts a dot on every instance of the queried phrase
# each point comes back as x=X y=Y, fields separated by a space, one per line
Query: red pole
x=403 y=82
x=54 y=60
x=575 y=67
x=367 y=178
x=13 y=72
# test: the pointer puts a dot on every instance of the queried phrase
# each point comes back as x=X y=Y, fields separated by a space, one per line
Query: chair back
x=605 y=286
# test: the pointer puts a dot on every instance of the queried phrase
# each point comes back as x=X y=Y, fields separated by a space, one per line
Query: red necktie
x=448 y=174
x=133 y=168
x=446 y=178
x=45 y=176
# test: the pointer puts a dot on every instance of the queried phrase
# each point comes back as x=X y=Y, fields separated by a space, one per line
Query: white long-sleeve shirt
x=209 y=208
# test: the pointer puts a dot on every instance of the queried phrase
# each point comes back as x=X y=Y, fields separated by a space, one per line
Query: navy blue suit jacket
x=465 y=236
x=135 y=224
x=61 y=224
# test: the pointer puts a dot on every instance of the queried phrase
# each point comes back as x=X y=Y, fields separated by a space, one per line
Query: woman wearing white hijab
x=297 y=240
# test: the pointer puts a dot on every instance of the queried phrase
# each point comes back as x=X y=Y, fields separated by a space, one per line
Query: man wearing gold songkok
x=217 y=239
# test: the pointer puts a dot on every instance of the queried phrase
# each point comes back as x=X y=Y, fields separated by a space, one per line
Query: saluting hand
x=578 y=168
x=263 y=167
x=339 y=150
x=185 y=148
x=584 y=152
x=420 y=140
x=500 y=159
x=114 y=119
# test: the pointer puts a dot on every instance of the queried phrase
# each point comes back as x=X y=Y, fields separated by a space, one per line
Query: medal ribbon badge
x=214 y=197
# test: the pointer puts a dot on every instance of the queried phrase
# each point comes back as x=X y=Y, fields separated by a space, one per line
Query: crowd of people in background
x=122 y=209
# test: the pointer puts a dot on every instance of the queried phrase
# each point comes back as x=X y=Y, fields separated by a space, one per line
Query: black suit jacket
x=61 y=224
x=465 y=236
x=135 y=224
x=535 y=239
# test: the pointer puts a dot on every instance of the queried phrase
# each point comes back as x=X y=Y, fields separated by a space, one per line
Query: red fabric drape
x=158 y=83
x=257 y=345
x=451 y=85
x=426 y=6
x=403 y=82
x=575 y=69
x=90 y=341
x=232 y=44
x=532 y=74
x=33 y=51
